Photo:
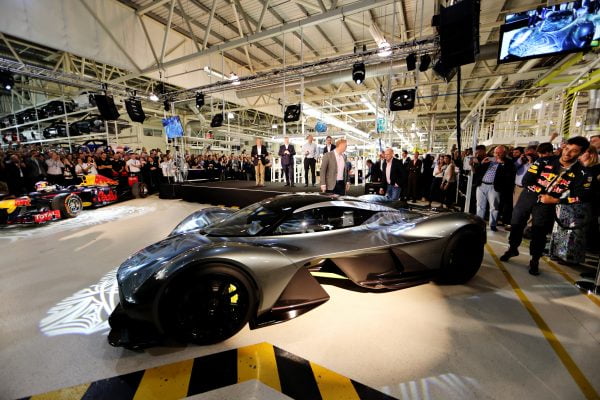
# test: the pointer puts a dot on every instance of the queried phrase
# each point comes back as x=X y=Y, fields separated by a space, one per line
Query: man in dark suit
x=414 y=175
x=287 y=153
x=393 y=175
x=15 y=175
x=492 y=178
x=259 y=154
x=329 y=146
x=405 y=161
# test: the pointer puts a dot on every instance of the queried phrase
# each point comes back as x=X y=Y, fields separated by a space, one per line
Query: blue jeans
x=392 y=192
x=486 y=194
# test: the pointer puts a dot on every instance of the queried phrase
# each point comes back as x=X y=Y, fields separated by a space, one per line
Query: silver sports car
x=220 y=269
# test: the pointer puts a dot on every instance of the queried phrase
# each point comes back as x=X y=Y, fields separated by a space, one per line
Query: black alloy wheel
x=209 y=306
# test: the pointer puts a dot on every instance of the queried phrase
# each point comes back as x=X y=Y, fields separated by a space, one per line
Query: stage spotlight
x=425 y=62
x=358 y=73
x=7 y=81
x=167 y=105
x=199 y=100
x=411 y=62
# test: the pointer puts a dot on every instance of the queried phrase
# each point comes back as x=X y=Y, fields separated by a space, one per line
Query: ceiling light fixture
x=385 y=49
x=538 y=106
x=153 y=97
x=235 y=80
x=358 y=73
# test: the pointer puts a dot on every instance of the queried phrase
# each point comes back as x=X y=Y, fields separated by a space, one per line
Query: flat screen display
x=173 y=127
x=559 y=29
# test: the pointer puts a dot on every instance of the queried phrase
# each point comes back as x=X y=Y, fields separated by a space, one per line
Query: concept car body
x=220 y=269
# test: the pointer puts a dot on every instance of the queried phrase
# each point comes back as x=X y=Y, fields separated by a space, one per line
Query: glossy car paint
x=400 y=249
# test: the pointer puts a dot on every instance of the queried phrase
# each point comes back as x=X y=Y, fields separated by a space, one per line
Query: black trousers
x=340 y=188
x=505 y=208
x=542 y=222
x=288 y=171
x=310 y=163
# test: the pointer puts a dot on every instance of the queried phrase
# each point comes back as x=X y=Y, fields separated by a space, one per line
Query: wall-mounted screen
x=559 y=29
x=173 y=127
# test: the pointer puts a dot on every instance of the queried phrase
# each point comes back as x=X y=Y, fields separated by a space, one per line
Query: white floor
x=428 y=342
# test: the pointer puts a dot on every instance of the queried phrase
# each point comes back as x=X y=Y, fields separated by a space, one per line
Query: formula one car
x=97 y=190
x=219 y=270
x=38 y=208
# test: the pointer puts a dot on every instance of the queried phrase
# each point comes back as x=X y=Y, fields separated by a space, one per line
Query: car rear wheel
x=462 y=257
x=139 y=190
x=69 y=205
x=207 y=306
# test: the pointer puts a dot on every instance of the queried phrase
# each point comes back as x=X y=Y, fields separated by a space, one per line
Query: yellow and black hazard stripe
x=285 y=372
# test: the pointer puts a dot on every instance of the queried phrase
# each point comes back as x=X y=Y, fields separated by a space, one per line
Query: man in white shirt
x=309 y=150
x=334 y=170
x=134 y=166
x=54 y=171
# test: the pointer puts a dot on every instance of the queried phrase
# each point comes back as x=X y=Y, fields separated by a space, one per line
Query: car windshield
x=247 y=222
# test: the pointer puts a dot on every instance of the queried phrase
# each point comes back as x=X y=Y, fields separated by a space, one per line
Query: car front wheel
x=207 y=306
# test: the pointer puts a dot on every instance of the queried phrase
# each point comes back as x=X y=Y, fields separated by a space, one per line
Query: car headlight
x=132 y=276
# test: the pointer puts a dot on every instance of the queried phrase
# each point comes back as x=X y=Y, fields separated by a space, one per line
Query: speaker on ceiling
x=443 y=71
x=292 y=113
x=134 y=110
x=458 y=27
x=106 y=107
x=199 y=100
x=411 y=62
x=402 y=100
x=217 y=121
x=425 y=62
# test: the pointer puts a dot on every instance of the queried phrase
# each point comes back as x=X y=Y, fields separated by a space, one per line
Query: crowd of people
x=519 y=188
x=22 y=168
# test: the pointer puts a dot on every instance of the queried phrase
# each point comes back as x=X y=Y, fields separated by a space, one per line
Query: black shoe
x=588 y=275
x=287 y=184
x=493 y=229
x=306 y=185
x=292 y=185
x=509 y=253
x=534 y=266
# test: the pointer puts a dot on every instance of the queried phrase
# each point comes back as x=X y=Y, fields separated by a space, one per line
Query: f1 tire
x=69 y=205
x=139 y=190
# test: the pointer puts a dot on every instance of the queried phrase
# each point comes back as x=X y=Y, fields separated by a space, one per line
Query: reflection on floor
x=471 y=341
x=224 y=374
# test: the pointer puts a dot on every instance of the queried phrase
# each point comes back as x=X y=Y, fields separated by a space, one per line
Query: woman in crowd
x=435 y=191
x=69 y=174
x=80 y=168
x=90 y=165
x=449 y=181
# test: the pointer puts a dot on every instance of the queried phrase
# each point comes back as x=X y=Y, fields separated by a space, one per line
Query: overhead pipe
x=487 y=52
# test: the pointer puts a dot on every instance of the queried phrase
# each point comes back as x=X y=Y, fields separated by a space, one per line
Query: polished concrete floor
x=484 y=340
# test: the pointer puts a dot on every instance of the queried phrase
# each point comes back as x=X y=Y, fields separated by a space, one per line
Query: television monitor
x=173 y=127
x=559 y=29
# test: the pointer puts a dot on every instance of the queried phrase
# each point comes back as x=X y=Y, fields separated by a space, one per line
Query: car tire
x=69 y=205
x=462 y=257
x=207 y=305
x=3 y=217
x=139 y=190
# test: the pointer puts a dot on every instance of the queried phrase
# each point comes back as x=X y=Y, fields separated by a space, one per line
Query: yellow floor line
x=593 y=298
x=73 y=392
x=332 y=385
x=586 y=387
x=258 y=362
x=167 y=382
